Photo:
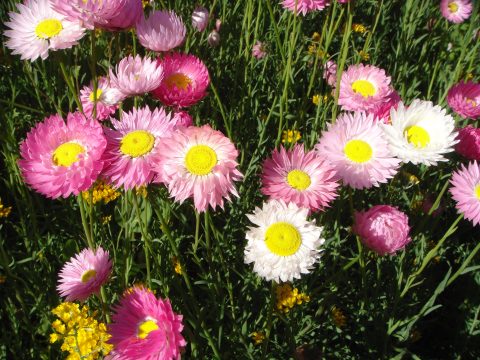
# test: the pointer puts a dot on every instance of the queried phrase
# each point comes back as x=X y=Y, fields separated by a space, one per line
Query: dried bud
x=200 y=18
x=213 y=38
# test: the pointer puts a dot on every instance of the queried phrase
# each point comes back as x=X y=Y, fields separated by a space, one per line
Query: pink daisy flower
x=90 y=13
x=136 y=76
x=198 y=162
x=363 y=87
x=182 y=118
x=185 y=82
x=131 y=145
x=330 y=72
x=382 y=110
x=129 y=14
x=258 y=50
x=383 y=228
x=145 y=328
x=103 y=98
x=84 y=274
x=465 y=191
x=302 y=178
x=59 y=159
x=456 y=11
x=357 y=150
x=469 y=143
x=305 y=6
x=161 y=31
x=36 y=28
x=464 y=99
x=200 y=18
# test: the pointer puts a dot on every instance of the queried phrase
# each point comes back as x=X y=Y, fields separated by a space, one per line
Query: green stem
x=269 y=320
x=70 y=85
x=464 y=265
x=86 y=228
x=145 y=236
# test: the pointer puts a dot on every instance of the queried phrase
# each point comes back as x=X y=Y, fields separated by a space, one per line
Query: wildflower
x=59 y=159
x=421 y=133
x=177 y=267
x=161 y=31
x=4 y=210
x=200 y=18
x=84 y=274
x=36 y=28
x=258 y=337
x=182 y=118
x=304 y=6
x=456 y=11
x=469 y=143
x=339 y=318
x=299 y=176
x=316 y=37
x=101 y=191
x=359 y=28
x=382 y=110
x=465 y=191
x=330 y=72
x=258 y=50
x=284 y=244
x=364 y=55
x=127 y=16
x=287 y=297
x=464 y=99
x=106 y=219
x=81 y=334
x=290 y=136
x=103 y=98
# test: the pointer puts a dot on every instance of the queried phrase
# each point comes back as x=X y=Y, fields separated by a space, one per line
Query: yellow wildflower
x=364 y=55
x=359 y=28
x=177 y=266
x=106 y=219
x=316 y=37
x=339 y=318
x=258 y=337
x=469 y=76
x=142 y=191
x=145 y=3
x=4 y=210
x=317 y=99
x=287 y=297
x=291 y=136
x=101 y=191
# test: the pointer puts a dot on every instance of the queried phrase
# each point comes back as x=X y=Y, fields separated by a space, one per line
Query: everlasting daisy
x=59 y=159
x=36 y=28
x=200 y=18
x=456 y=11
x=284 y=244
x=421 y=133
x=185 y=82
x=330 y=72
x=464 y=99
x=465 y=191
x=84 y=274
x=127 y=17
x=198 y=162
x=305 y=6
x=299 y=177
x=363 y=87
x=104 y=96
x=382 y=110
x=258 y=50
x=131 y=145
x=145 y=328
x=358 y=151
x=469 y=143
x=161 y=31
x=136 y=76
x=182 y=118
x=90 y=13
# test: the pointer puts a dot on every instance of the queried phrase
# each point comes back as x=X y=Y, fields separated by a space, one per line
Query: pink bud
x=200 y=18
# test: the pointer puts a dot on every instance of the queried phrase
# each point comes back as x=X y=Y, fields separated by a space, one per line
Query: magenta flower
x=300 y=177
x=145 y=328
x=465 y=191
x=456 y=11
x=59 y=159
x=84 y=274
x=103 y=98
x=90 y=13
x=127 y=17
x=161 y=31
x=464 y=99
x=469 y=142
x=305 y=6
x=200 y=18
x=258 y=50
x=383 y=228
x=382 y=110
x=182 y=118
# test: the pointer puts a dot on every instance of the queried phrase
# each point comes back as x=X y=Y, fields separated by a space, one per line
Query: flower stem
x=145 y=236
x=269 y=319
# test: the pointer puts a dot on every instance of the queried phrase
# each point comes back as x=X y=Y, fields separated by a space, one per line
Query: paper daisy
x=358 y=151
x=36 y=28
x=469 y=142
x=90 y=13
x=465 y=191
x=127 y=17
x=129 y=156
x=145 y=328
x=464 y=99
x=456 y=11
x=161 y=31
x=198 y=162
x=105 y=94
x=305 y=6
x=421 y=133
x=185 y=82
x=300 y=177
x=382 y=110
x=284 y=244
x=84 y=274
x=60 y=159
x=363 y=87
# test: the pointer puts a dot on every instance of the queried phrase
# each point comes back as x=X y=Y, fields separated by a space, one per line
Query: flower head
x=284 y=244
x=456 y=11
x=383 y=228
x=161 y=31
x=382 y=110
x=36 y=28
x=300 y=177
x=126 y=17
x=90 y=13
x=357 y=150
x=84 y=274
x=182 y=118
x=330 y=72
x=185 y=82
x=469 y=143
x=145 y=328
x=59 y=159
x=258 y=50
x=198 y=162
x=465 y=191
x=105 y=94
x=464 y=99
x=421 y=133
x=305 y=6
x=200 y=18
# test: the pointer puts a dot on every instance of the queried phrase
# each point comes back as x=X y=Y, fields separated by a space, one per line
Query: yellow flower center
x=137 y=143
x=67 y=153
x=453 y=7
x=298 y=180
x=48 y=28
x=358 y=151
x=364 y=88
x=471 y=102
x=200 y=159
x=417 y=136
x=146 y=328
x=87 y=275
x=180 y=81
x=99 y=93
x=477 y=191
x=283 y=239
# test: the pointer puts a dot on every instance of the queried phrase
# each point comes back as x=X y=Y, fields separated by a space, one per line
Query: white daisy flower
x=420 y=133
x=285 y=244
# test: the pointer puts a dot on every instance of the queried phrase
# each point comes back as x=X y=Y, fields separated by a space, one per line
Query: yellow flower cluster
x=287 y=298
x=359 y=28
x=317 y=99
x=84 y=338
x=257 y=337
x=142 y=191
x=101 y=191
x=316 y=37
x=4 y=210
x=176 y=265
x=364 y=55
x=291 y=136
x=339 y=318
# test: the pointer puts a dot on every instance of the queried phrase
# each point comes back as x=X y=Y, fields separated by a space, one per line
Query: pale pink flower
x=182 y=118
x=161 y=31
x=258 y=50
x=465 y=191
x=383 y=228
x=60 y=159
x=330 y=72
x=305 y=6
x=127 y=17
x=469 y=143
x=456 y=11
x=90 y=13
x=104 y=108
x=200 y=18
x=464 y=99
